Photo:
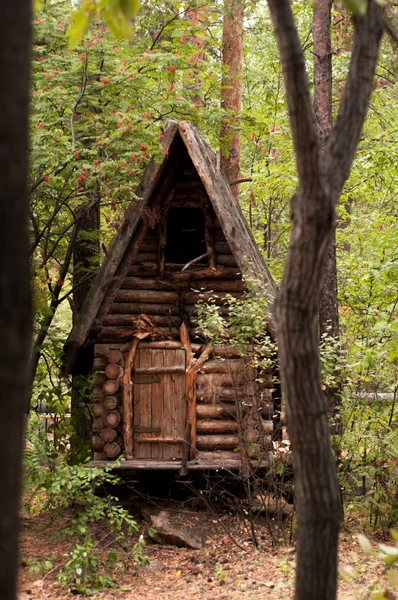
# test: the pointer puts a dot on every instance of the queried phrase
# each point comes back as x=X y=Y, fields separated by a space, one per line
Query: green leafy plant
x=64 y=487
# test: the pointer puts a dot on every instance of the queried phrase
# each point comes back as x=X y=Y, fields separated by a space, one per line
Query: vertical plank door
x=159 y=403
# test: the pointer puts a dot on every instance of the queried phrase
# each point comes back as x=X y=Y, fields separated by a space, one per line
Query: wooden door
x=159 y=403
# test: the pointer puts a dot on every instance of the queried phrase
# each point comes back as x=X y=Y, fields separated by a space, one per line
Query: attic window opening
x=186 y=236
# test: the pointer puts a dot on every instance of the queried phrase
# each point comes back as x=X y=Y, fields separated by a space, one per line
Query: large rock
x=177 y=529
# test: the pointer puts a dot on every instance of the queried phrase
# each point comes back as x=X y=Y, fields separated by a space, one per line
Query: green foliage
x=117 y=14
x=58 y=486
x=369 y=457
x=389 y=556
x=357 y=7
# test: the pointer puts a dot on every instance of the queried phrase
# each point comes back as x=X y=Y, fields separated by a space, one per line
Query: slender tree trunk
x=231 y=88
x=15 y=296
x=55 y=302
x=321 y=178
x=86 y=258
x=197 y=16
x=328 y=305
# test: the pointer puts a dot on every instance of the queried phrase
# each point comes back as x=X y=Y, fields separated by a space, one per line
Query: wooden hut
x=162 y=398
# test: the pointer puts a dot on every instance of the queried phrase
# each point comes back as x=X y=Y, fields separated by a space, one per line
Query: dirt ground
x=220 y=571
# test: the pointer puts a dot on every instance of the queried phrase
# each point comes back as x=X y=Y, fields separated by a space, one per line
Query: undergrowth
x=53 y=486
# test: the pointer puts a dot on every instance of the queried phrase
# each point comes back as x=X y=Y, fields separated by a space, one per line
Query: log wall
x=229 y=411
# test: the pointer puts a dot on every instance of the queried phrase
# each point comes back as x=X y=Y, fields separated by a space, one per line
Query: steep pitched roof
x=227 y=210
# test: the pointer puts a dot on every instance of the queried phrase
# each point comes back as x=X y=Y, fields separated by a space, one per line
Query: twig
x=236 y=181
x=195 y=260
x=78 y=100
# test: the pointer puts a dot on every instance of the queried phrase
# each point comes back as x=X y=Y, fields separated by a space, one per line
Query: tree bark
x=321 y=178
x=15 y=296
x=86 y=258
x=322 y=49
x=231 y=88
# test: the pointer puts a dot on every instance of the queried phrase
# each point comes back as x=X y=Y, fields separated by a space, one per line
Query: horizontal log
x=111 y=386
x=145 y=257
x=149 y=245
x=160 y=369
x=190 y=274
x=218 y=380
x=113 y=371
x=216 y=426
x=99 y=379
x=110 y=402
x=220 y=365
x=220 y=285
x=161 y=345
x=124 y=334
x=144 y=296
x=139 y=283
x=112 y=450
x=219 y=297
x=142 y=271
x=114 y=356
x=160 y=440
x=217 y=456
x=108 y=434
x=139 y=308
x=129 y=320
x=217 y=441
x=102 y=349
x=206 y=393
x=227 y=260
x=223 y=248
x=111 y=419
x=228 y=411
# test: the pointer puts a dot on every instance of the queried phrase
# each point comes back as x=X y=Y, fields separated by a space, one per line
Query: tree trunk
x=15 y=296
x=197 y=16
x=86 y=255
x=328 y=306
x=231 y=88
x=321 y=178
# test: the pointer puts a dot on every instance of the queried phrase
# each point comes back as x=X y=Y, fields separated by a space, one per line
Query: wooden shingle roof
x=226 y=208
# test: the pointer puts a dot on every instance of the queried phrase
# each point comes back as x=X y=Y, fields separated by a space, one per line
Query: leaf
x=37 y=4
x=129 y=8
x=389 y=550
x=394 y=533
x=364 y=543
x=393 y=577
x=357 y=7
x=117 y=21
x=78 y=27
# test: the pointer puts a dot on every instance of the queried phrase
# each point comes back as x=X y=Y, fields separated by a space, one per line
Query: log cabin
x=163 y=397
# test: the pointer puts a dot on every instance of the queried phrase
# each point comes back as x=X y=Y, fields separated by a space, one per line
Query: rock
x=172 y=529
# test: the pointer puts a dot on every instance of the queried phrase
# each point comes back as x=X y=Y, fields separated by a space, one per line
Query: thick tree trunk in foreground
x=15 y=297
x=86 y=258
x=321 y=178
x=322 y=49
x=231 y=88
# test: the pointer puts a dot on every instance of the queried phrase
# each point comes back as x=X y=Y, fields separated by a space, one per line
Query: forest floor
x=220 y=571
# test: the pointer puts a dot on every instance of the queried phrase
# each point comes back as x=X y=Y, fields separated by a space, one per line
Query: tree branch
x=301 y=115
x=346 y=133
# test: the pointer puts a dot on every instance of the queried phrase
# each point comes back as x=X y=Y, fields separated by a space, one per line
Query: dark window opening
x=186 y=237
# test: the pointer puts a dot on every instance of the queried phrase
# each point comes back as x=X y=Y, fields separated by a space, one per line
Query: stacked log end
x=107 y=409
